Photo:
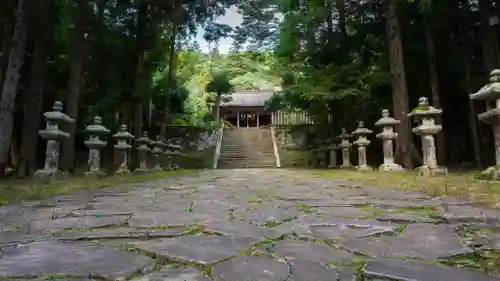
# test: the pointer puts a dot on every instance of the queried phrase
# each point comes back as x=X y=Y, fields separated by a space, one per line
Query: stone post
x=122 y=148
x=95 y=145
x=345 y=145
x=388 y=136
x=332 y=148
x=157 y=151
x=54 y=136
x=163 y=162
x=168 y=153
x=426 y=130
x=490 y=93
x=362 y=142
x=177 y=155
x=143 y=150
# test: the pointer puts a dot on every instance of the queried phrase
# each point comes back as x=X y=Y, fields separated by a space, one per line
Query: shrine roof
x=248 y=98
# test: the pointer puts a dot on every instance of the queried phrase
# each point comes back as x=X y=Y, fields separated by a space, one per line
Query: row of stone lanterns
x=54 y=135
x=427 y=129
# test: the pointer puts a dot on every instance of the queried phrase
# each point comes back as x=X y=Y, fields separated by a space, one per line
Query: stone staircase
x=246 y=148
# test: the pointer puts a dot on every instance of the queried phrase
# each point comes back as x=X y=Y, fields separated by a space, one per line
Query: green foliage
x=220 y=84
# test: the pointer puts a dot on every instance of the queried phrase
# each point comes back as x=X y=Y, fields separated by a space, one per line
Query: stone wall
x=192 y=138
x=198 y=145
x=293 y=143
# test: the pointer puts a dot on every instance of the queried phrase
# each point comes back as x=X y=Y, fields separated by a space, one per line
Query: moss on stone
x=420 y=108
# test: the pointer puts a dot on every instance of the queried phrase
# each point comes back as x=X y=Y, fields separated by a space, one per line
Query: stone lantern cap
x=56 y=115
x=95 y=130
x=144 y=139
x=344 y=135
x=490 y=90
x=174 y=146
x=122 y=136
x=97 y=127
x=361 y=130
x=386 y=120
x=123 y=133
x=173 y=149
x=158 y=144
x=424 y=109
x=332 y=145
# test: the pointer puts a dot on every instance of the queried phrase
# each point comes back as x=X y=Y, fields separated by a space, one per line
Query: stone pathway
x=249 y=225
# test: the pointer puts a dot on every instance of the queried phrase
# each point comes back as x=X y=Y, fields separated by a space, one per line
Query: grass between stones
x=31 y=189
x=465 y=185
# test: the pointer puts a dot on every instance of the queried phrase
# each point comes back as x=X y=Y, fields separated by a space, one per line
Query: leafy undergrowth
x=465 y=185
x=30 y=189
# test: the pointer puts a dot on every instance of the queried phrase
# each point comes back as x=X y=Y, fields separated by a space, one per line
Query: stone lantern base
x=140 y=171
x=95 y=174
x=347 y=166
x=427 y=171
x=390 y=168
x=364 y=168
x=45 y=175
x=492 y=173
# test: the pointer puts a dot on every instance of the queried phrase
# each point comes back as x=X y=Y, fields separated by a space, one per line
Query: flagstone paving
x=249 y=225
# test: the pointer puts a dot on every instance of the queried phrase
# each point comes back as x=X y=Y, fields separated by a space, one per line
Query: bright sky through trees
x=231 y=18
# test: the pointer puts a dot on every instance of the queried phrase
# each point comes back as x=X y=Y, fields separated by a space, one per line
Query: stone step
x=247 y=150
x=249 y=154
x=263 y=156
x=245 y=147
x=246 y=157
x=242 y=160
x=236 y=166
x=242 y=151
x=245 y=166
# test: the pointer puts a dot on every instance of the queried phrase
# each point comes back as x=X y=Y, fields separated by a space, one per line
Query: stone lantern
x=490 y=93
x=169 y=154
x=362 y=142
x=388 y=136
x=54 y=136
x=345 y=145
x=319 y=155
x=427 y=129
x=332 y=148
x=143 y=149
x=122 y=148
x=157 y=152
x=95 y=144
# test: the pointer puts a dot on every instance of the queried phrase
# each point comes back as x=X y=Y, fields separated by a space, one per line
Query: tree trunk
x=217 y=108
x=487 y=40
x=398 y=84
x=33 y=107
x=5 y=50
x=466 y=39
x=142 y=17
x=77 y=56
x=10 y=85
x=434 y=79
x=340 y=5
x=170 y=79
